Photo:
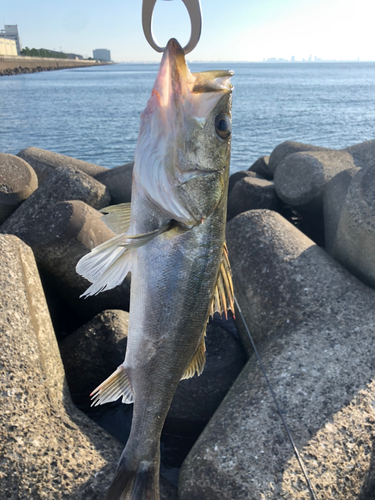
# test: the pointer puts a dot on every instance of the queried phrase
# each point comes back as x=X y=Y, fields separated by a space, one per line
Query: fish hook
x=195 y=13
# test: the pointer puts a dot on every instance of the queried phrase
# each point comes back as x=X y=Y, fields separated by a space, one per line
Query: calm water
x=93 y=113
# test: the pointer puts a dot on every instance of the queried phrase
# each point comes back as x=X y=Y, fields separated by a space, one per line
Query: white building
x=8 y=47
x=10 y=32
x=102 y=54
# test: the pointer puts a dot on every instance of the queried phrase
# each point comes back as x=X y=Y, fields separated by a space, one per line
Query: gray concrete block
x=261 y=167
x=237 y=176
x=334 y=198
x=251 y=194
x=318 y=352
x=60 y=236
x=100 y=346
x=46 y=162
x=62 y=185
x=279 y=274
x=288 y=148
x=197 y=399
x=300 y=179
x=49 y=449
x=17 y=182
x=119 y=182
x=363 y=154
x=354 y=242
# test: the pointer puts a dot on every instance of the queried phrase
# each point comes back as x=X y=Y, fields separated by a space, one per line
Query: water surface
x=93 y=113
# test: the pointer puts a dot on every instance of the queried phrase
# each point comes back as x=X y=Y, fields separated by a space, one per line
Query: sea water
x=93 y=113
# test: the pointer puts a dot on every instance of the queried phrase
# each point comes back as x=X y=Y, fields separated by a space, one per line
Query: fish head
x=183 y=150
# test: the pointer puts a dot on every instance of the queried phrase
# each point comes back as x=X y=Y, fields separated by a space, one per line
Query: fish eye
x=223 y=126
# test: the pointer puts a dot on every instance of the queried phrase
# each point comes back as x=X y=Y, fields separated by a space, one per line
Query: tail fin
x=140 y=484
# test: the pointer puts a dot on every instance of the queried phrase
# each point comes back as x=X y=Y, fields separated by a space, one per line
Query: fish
x=171 y=238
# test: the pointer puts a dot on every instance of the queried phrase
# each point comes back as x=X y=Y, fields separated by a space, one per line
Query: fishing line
x=296 y=452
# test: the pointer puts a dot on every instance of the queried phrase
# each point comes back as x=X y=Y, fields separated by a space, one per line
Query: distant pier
x=13 y=65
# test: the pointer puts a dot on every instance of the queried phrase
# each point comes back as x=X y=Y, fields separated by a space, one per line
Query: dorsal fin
x=223 y=297
x=117 y=217
x=196 y=365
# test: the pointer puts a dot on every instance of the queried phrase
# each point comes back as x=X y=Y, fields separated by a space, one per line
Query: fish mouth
x=171 y=81
x=176 y=87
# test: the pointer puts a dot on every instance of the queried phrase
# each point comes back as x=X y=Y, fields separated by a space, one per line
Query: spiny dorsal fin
x=117 y=217
x=115 y=386
x=197 y=363
x=223 y=298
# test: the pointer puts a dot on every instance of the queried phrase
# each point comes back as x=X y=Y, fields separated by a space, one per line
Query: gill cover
x=180 y=160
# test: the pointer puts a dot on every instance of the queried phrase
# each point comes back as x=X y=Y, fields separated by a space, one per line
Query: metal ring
x=195 y=13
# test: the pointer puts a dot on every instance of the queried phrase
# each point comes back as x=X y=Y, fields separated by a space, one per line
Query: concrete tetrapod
x=288 y=148
x=17 y=182
x=317 y=348
x=118 y=181
x=363 y=154
x=353 y=244
x=300 y=179
x=46 y=162
x=250 y=194
x=98 y=345
x=63 y=185
x=60 y=236
x=49 y=449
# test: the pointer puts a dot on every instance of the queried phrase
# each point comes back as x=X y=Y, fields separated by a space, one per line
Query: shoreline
x=17 y=65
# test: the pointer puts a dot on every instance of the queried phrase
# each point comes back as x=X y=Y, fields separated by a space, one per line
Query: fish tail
x=135 y=480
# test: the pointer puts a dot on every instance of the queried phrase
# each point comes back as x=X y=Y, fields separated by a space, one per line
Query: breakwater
x=300 y=236
x=14 y=65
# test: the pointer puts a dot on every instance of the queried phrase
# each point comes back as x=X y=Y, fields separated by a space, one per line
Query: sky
x=233 y=30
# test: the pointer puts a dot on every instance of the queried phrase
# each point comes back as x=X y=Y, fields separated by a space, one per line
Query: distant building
x=293 y=59
x=10 y=32
x=102 y=54
x=74 y=56
x=8 y=47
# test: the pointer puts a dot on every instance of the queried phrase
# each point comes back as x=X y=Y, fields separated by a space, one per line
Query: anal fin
x=115 y=386
x=223 y=297
x=196 y=365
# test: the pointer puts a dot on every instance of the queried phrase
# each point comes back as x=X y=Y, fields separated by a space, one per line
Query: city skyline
x=247 y=31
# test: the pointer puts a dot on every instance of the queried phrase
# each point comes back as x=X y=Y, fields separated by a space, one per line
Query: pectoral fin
x=117 y=217
x=107 y=265
x=223 y=298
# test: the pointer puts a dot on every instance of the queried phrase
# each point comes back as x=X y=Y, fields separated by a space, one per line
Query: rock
x=119 y=182
x=197 y=399
x=261 y=167
x=288 y=148
x=63 y=185
x=46 y=162
x=354 y=243
x=333 y=202
x=318 y=352
x=59 y=236
x=93 y=352
x=300 y=179
x=251 y=194
x=363 y=154
x=17 y=182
